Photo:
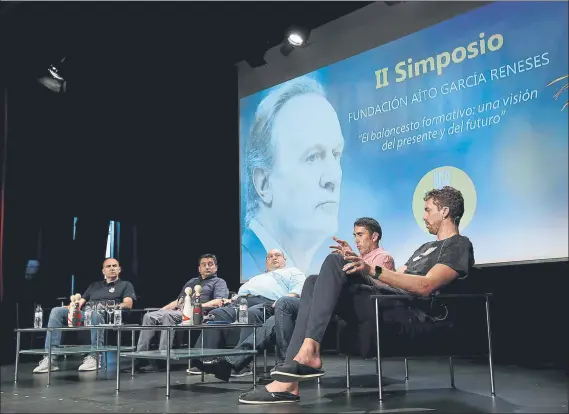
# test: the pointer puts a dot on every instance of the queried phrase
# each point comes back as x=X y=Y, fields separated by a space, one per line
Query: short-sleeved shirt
x=115 y=290
x=213 y=287
x=455 y=252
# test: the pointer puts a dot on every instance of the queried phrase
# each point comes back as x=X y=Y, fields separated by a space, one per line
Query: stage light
x=295 y=39
x=297 y=36
x=54 y=81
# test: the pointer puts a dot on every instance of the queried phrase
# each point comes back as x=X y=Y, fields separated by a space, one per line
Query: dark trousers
x=216 y=338
x=328 y=293
x=277 y=330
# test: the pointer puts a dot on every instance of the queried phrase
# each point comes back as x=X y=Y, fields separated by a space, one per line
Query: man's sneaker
x=242 y=373
x=193 y=371
x=89 y=364
x=42 y=366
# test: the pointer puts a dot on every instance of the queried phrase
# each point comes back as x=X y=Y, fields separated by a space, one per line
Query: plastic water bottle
x=38 y=317
x=88 y=316
x=118 y=316
x=243 y=310
x=235 y=307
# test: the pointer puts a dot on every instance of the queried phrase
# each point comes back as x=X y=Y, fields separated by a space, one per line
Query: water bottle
x=38 y=317
x=235 y=307
x=118 y=316
x=243 y=310
x=88 y=316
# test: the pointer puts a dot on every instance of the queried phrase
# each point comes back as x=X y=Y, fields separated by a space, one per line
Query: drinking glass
x=110 y=309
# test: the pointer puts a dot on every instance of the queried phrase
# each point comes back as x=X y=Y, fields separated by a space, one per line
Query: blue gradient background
x=519 y=166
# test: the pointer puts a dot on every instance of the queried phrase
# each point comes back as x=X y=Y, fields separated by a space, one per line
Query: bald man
x=261 y=291
x=111 y=288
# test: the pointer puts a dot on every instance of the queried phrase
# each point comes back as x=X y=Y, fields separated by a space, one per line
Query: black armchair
x=436 y=338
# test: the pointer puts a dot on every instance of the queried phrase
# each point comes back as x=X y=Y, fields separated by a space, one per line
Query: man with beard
x=433 y=266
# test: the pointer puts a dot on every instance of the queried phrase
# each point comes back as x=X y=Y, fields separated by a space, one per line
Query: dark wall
x=163 y=157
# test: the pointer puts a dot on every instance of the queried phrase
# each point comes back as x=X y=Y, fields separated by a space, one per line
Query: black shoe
x=244 y=372
x=219 y=367
x=262 y=396
x=154 y=366
x=295 y=372
x=194 y=371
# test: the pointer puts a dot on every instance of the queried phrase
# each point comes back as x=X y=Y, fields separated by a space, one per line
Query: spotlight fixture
x=295 y=37
x=54 y=81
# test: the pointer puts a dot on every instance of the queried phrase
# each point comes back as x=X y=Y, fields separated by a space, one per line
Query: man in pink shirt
x=329 y=293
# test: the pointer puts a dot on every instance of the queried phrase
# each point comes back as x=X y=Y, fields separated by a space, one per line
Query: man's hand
x=216 y=303
x=342 y=247
x=356 y=265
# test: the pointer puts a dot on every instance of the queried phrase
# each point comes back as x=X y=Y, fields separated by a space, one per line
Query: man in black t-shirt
x=432 y=267
x=112 y=288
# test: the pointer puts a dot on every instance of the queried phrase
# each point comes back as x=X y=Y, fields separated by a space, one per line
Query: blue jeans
x=58 y=319
x=277 y=330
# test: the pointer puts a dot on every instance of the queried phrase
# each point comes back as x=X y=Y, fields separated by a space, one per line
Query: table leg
x=133 y=360
x=49 y=359
x=203 y=373
x=255 y=358
x=168 y=333
x=118 y=359
x=17 y=356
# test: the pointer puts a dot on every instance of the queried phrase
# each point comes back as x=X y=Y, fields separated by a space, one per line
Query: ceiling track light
x=54 y=81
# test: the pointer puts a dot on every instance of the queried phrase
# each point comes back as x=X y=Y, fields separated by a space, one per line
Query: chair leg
x=451 y=368
x=406 y=370
x=378 y=350
x=490 y=359
x=265 y=361
x=348 y=372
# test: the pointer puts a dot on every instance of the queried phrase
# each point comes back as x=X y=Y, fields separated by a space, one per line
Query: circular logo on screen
x=438 y=178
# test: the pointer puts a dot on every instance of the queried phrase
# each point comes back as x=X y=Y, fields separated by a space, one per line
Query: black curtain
x=89 y=251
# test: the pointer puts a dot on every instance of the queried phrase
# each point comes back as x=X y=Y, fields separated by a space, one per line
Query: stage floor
x=519 y=390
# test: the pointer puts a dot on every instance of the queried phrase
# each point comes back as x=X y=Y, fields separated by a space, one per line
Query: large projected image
x=478 y=102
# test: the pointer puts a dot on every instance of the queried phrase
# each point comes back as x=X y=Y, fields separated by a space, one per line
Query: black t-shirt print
x=455 y=252
x=116 y=290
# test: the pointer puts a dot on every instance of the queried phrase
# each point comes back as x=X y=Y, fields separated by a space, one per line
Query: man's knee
x=334 y=259
x=287 y=303
x=58 y=313
x=150 y=318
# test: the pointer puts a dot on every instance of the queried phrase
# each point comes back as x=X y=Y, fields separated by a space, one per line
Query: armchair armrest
x=443 y=296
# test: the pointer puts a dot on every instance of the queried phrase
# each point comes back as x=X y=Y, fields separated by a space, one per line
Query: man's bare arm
x=439 y=276
x=171 y=305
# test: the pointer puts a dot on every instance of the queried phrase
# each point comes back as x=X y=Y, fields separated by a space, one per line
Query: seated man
x=432 y=266
x=367 y=234
x=214 y=290
x=112 y=288
x=277 y=330
x=261 y=292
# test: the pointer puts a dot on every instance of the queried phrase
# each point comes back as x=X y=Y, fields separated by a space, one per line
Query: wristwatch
x=377 y=274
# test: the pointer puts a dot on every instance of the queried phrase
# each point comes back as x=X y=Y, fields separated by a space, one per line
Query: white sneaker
x=42 y=366
x=89 y=364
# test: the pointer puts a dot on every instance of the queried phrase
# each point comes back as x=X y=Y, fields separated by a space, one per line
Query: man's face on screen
x=207 y=267
x=306 y=174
